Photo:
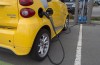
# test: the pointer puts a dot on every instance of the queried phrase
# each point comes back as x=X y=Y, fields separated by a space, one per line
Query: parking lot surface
x=91 y=45
x=96 y=11
x=90 y=54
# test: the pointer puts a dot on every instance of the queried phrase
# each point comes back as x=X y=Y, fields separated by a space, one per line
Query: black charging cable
x=68 y=28
x=51 y=21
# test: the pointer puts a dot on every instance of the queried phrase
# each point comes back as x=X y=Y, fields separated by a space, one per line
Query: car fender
x=27 y=30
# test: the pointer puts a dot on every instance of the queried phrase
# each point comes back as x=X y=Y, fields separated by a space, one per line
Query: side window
x=45 y=3
x=62 y=0
x=48 y=0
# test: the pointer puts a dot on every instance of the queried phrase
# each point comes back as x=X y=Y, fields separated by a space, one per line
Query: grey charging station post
x=76 y=11
x=89 y=10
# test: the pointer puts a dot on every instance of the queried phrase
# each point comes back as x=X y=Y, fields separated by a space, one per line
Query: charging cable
x=69 y=28
x=51 y=21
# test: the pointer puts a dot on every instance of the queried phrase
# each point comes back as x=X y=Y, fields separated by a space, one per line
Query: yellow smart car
x=24 y=29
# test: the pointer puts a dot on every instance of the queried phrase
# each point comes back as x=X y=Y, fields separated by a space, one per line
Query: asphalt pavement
x=91 y=45
x=90 y=49
x=96 y=11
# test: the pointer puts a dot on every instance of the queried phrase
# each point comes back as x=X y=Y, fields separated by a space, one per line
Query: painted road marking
x=79 y=48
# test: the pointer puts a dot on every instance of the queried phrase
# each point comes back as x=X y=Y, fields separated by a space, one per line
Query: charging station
x=82 y=18
x=83 y=15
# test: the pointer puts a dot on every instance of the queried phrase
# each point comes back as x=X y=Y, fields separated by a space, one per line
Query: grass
x=93 y=18
x=96 y=18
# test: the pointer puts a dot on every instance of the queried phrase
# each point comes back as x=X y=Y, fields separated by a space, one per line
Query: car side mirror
x=49 y=11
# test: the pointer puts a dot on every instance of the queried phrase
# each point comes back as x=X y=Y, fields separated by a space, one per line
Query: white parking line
x=79 y=48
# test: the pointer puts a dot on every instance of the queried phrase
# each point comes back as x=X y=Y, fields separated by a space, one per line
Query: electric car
x=24 y=29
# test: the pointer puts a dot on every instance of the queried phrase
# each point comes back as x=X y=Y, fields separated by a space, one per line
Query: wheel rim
x=43 y=45
x=67 y=22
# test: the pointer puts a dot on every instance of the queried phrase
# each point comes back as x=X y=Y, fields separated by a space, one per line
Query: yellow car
x=25 y=30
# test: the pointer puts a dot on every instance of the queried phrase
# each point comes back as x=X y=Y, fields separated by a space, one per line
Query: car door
x=56 y=12
x=8 y=13
x=59 y=15
x=64 y=12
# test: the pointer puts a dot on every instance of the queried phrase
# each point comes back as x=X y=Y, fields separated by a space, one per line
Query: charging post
x=83 y=12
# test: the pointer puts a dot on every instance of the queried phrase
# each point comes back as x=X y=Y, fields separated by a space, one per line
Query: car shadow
x=7 y=57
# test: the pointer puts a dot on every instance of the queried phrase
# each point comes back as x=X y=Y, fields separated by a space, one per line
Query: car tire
x=41 y=45
x=66 y=24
